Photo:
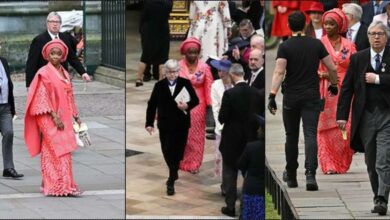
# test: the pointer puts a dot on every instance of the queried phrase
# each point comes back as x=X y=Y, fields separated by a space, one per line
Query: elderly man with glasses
x=35 y=60
x=368 y=81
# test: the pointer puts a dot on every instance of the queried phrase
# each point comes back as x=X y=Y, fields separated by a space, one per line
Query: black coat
x=169 y=116
x=368 y=12
x=35 y=59
x=238 y=104
x=361 y=40
x=252 y=162
x=11 y=100
x=354 y=89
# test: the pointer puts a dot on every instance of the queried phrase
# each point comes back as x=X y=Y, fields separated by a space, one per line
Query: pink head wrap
x=190 y=42
x=52 y=44
x=339 y=17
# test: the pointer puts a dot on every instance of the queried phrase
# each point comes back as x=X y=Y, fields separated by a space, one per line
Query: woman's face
x=55 y=56
x=192 y=55
x=330 y=26
x=315 y=17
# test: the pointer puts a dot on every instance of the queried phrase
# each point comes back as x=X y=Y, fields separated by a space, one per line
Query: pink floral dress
x=201 y=80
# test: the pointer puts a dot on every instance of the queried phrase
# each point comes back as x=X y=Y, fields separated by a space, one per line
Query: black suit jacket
x=354 y=89
x=238 y=104
x=169 y=116
x=11 y=100
x=35 y=60
x=361 y=40
x=368 y=12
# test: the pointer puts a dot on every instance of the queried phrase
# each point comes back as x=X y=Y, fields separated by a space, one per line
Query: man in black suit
x=238 y=104
x=257 y=77
x=371 y=9
x=357 y=31
x=7 y=112
x=173 y=117
x=35 y=60
x=367 y=84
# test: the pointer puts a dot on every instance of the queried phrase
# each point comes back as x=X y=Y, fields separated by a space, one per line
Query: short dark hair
x=296 y=21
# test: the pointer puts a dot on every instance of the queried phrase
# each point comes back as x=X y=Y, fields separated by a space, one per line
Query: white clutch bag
x=81 y=134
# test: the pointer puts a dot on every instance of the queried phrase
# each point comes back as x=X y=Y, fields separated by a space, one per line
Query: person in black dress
x=154 y=30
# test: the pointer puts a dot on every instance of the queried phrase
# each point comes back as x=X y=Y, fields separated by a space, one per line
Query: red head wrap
x=339 y=17
x=52 y=44
x=191 y=42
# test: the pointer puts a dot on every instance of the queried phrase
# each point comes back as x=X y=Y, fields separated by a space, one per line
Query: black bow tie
x=173 y=83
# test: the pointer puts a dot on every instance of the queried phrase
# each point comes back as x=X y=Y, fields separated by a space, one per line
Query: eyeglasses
x=54 y=22
x=171 y=72
x=374 y=34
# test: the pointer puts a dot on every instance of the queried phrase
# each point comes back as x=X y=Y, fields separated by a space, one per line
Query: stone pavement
x=346 y=196
x=99 y=171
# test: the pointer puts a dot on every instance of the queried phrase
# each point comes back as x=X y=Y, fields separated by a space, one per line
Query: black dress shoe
x=380 y=206
x=138 y=83
x=147 y=77
x=170 y=190
x=311 y=183
x=228 y=212
x=291 y=180
x=11 y=172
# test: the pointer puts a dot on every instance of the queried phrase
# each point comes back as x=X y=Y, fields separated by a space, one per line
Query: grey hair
x=379 y=24
x=171 y=64
x=236 y=69
x=54 y=14
x=353 y=9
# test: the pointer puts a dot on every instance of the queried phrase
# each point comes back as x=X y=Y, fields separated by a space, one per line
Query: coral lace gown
x=334 y=153
x=201 y=80
x=51 y=92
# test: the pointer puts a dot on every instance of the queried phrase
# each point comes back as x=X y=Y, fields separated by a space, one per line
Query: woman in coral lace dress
x=334 y=152
x=48 y=129
x=198 y=72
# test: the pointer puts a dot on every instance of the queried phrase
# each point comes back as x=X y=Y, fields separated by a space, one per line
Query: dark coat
x=169 y=116
x=361 y=40
x=252 y=162
x=35 y=59
x=238 y=104
x=368 y=12
x=11 y=100
x=354 y=89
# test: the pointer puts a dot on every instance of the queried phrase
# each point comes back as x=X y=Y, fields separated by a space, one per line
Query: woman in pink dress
x=198 y=72
x=334 y=152
x=48 y=128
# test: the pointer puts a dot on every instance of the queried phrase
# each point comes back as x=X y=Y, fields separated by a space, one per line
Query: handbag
x=81 y=133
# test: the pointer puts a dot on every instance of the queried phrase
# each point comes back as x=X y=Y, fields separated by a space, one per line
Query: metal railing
x=279 y=195
x=114 y=34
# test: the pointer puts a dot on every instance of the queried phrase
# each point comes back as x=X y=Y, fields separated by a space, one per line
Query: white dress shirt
x=373 y=55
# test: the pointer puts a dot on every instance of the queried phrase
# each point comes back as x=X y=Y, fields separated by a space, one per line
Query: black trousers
x=229 y=179
x=293 y=112
x=172 y=146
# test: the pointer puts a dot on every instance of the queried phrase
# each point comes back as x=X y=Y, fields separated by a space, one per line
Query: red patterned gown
x=51 y=92
x=201 y=80
x=334 y=153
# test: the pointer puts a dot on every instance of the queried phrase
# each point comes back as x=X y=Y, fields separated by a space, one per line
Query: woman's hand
x=77 y=119
x=58 y=123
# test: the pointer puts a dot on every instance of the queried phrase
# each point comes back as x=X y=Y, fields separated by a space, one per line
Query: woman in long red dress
x=198 y=72
x=334 y=152
x=48 y=128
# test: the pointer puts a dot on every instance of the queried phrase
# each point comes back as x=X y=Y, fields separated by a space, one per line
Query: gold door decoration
x=178 y=21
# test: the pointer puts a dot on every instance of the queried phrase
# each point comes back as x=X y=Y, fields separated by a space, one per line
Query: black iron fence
x=279 y=195
x=114 y=34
